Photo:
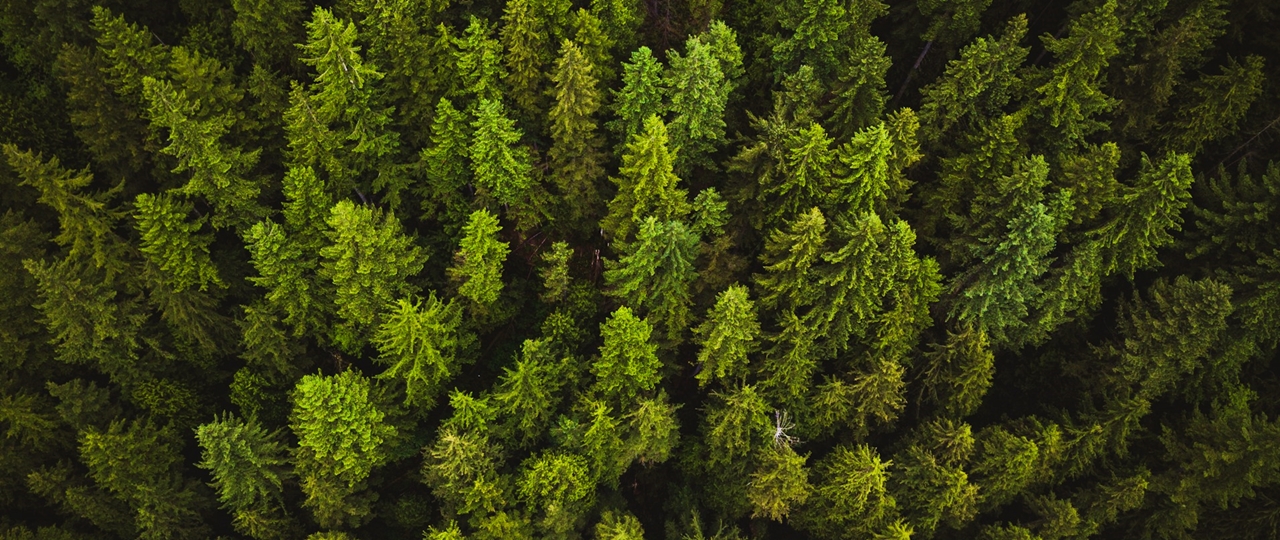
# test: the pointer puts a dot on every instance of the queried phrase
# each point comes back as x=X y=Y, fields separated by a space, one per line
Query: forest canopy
x=624 y=269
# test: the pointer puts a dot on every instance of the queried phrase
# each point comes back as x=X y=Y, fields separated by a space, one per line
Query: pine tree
x=1071 y=95
x=576 y=159
x=526 y=42
x=557 y=486
x=621 y=21
x=478 y=262
x=1221 y=101
x=342 y=437
x=804 y=176
x=997 y=296
x=779 y=482
x=931 y=486
x=727 y=336
x=343 y=99
x=249 y=466
x=735 y=425
x=461 y=468
x=959 y=371
x=419 y=342
x=1149 y=210
x=1176 y=48
x=646 y=185
x=596 y=45
x=618 y=527
x=641 y=96
x=501 y=167
x=1004 y=465
x=655 y=274
x=368 y=261
x=172 y=244
x=287 y=275
x=789 y=257
x=628 y=364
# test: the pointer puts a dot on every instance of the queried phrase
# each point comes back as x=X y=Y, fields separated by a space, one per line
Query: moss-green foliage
x=623 y=269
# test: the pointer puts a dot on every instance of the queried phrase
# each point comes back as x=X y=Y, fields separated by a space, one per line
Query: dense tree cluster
x=613 y=269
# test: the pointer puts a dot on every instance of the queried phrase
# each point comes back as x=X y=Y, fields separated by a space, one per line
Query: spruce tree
x=646 y=185
x=420 y=343
x=576 y=158
x=655 y=273
x=368 y=261
x=342 y=437
x=728 y=335
x=478 y=262
x=641 y=95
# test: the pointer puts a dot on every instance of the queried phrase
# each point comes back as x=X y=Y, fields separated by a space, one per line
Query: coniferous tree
x=727 y=336
x=576 y=158
x=641 y=96
x=655 y=274
x=646 y=185
x=368 y=260
x=420 y=342
x=478 y=262
x=249 y=467
x=342 y=437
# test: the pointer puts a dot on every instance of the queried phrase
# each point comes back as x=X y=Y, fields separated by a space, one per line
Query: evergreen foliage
x=518 y=269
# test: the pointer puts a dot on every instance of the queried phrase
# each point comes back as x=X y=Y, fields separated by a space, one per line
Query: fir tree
x=248 y=465
x=478 y=262
x=641 y=95
x=655 y=274
x=576 y=159
x=342 y=437
x=1071 y=95
x=171 y=243
x=420 y=341
x=699 y=94
x=368 y=261
x=628 y=364
x=501 y=167
x=646 y=185
x=267 y=30
x=728 y=336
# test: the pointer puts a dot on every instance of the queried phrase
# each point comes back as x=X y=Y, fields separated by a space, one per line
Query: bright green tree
x=478 y=262
x=249 y=465
x=576 y=158
x=646 y=185
x=172 y=243
x=342 y=437
x=628 y=365
x=368 y=261
x=728 y=335
x=419 y=342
